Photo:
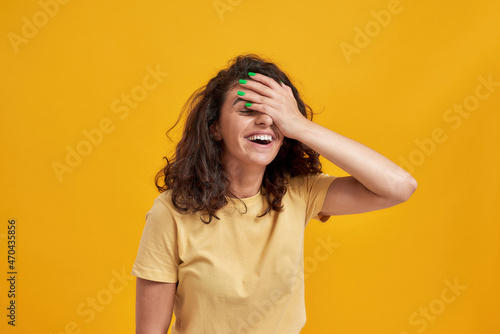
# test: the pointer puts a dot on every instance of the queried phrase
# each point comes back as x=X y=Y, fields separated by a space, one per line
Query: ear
x=214 y=131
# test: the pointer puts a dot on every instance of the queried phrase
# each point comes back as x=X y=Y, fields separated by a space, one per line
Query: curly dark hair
x=196 y=175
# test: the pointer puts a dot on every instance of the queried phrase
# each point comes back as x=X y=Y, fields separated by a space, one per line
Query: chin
x=265 y=162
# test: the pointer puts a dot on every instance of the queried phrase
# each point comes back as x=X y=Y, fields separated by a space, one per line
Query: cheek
x=235 y=128
x=281 y=142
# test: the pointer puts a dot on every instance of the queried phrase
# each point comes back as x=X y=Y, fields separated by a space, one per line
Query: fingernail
x=248 y=104
x=240 y=93
x=243 y=81
x=251 y=74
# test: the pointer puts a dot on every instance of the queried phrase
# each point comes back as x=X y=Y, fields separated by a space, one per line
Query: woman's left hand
x=275 y=100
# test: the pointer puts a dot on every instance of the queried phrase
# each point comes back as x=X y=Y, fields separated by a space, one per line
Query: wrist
x=301 y=130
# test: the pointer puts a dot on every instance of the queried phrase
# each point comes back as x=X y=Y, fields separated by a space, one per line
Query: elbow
x=406 y=189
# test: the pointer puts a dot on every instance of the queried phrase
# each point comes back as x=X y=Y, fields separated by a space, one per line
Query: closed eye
x=247 y=111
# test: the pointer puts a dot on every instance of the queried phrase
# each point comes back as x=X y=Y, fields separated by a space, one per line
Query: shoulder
x=165 y=199
x=306 y=182
x=162 y=206
x=310 y=187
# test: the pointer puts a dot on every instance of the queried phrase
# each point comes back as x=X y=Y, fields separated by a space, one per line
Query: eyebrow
x=238 y=100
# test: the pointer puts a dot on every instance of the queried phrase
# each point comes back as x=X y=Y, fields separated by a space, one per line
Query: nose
x=263 y=119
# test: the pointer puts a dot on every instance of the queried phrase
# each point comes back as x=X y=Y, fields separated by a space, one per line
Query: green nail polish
x=243 y=81
x=240 y=93
x=251 y=74
x=248 y=104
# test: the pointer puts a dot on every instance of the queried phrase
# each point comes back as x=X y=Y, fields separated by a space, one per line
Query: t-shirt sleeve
x=158 y=258
x=316 y=190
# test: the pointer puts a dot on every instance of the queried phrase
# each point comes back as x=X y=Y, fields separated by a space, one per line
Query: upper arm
x=154 y=306
x=346 y=195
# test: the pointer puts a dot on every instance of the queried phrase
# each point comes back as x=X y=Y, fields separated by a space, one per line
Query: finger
x=262 y=108
x=257 y=87
x=269 y=82
x=287 y=88
x=254 y=97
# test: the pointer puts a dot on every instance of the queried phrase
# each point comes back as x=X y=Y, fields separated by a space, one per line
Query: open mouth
x=261 y=139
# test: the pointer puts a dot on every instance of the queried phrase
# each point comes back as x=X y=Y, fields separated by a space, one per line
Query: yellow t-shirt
x=239 y=274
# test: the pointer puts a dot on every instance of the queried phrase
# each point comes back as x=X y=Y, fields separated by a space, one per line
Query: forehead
x=233 y=100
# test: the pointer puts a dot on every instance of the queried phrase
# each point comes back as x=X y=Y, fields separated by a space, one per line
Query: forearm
x=377 y=173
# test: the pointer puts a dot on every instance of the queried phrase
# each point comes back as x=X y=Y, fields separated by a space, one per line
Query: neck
x=245 y=180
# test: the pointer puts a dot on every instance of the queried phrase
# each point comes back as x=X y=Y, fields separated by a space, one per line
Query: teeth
x=260 y=137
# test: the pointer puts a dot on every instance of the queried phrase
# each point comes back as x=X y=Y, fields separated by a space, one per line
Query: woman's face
x=249 y=138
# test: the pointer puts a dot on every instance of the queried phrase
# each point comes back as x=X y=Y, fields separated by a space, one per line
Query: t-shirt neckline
x=247 y=200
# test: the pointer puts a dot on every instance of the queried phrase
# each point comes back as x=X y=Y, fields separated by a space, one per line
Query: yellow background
x=77 y=233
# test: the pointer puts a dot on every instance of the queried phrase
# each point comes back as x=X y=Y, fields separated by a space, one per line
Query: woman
x=223 y=242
